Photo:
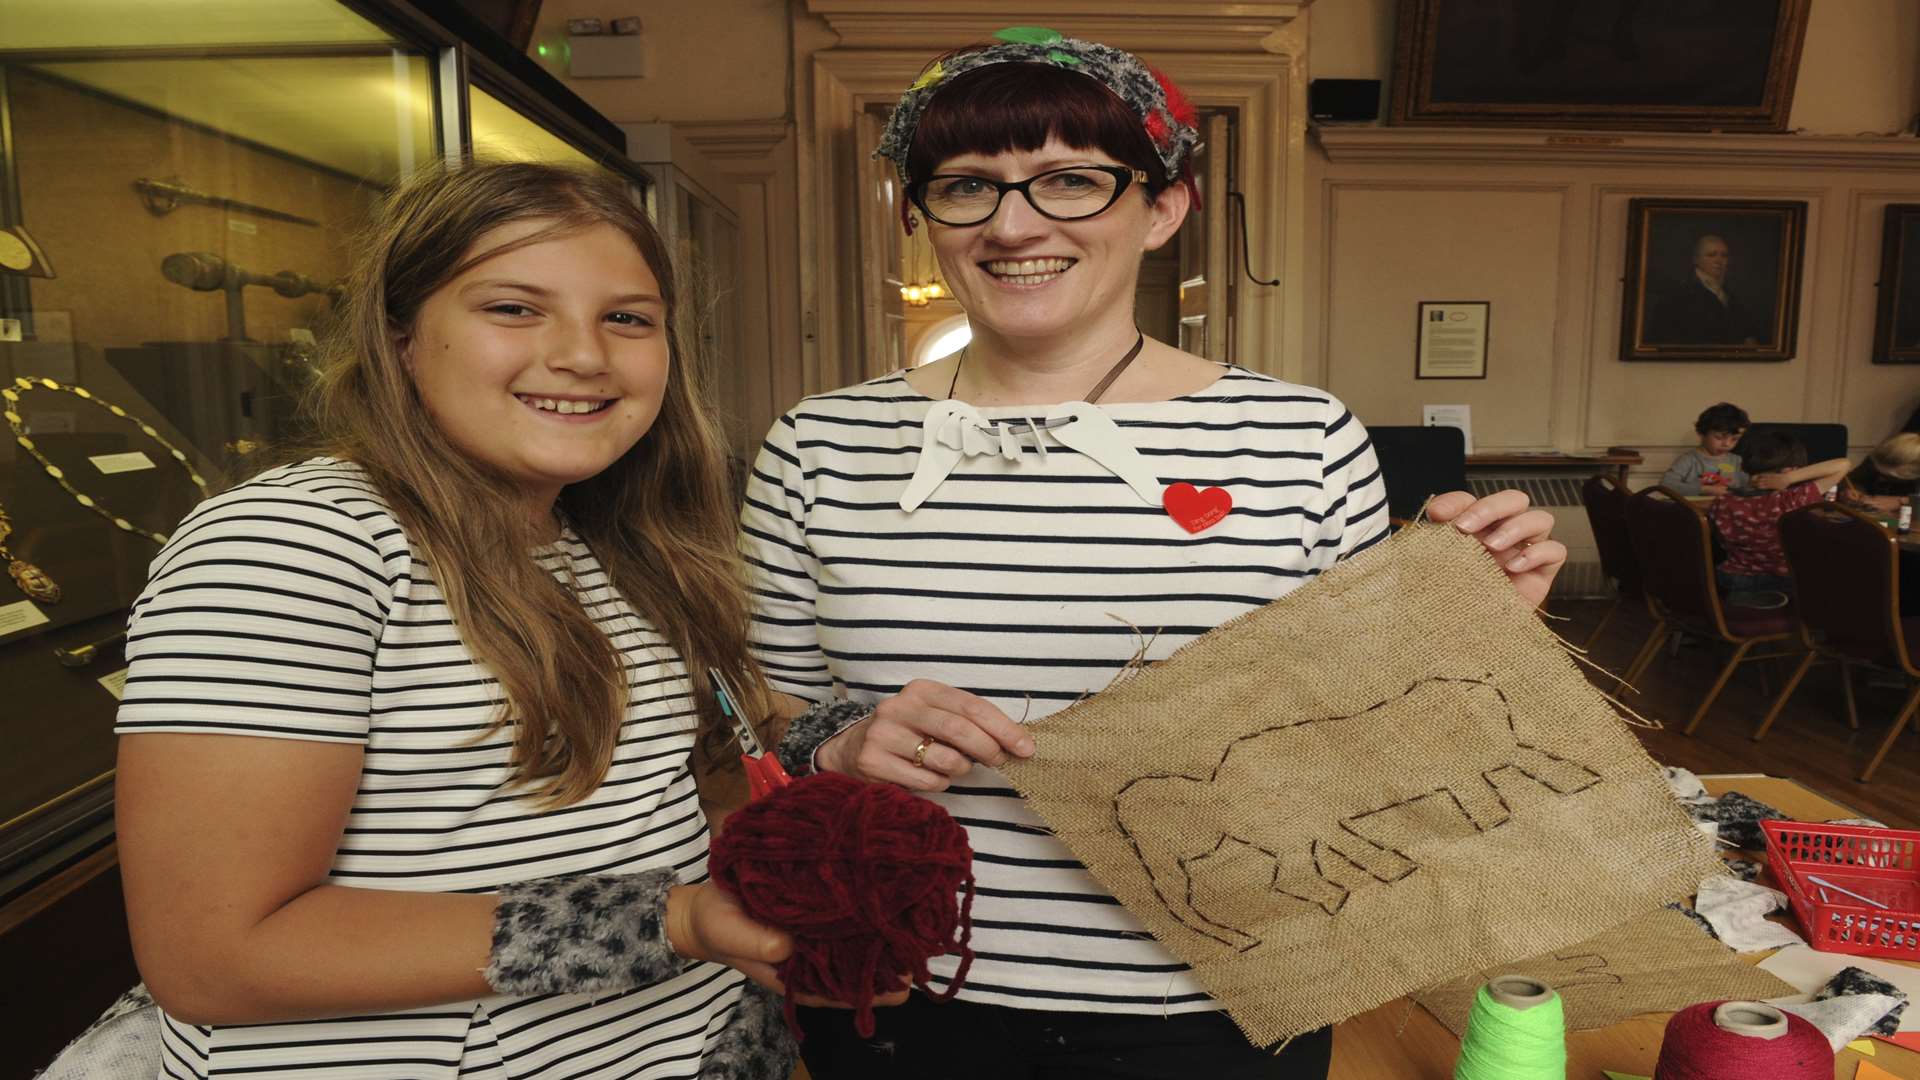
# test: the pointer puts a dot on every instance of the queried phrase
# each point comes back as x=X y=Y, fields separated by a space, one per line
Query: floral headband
x=1164 y=112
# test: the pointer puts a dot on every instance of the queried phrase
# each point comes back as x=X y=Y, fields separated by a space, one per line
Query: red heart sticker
x=1196 y=510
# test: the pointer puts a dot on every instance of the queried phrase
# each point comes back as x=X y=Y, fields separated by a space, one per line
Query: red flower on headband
x=1157 y=129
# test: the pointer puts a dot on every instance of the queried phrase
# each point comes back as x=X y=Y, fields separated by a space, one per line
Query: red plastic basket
x=1883 y=864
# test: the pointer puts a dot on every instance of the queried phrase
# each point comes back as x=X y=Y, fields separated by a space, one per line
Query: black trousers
x=956 y=1040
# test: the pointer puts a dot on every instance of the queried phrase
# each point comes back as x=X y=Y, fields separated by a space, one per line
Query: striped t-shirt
x=1032 y=583
x=292 y=607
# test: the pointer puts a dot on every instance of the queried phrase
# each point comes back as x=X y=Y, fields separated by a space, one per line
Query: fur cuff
x=756 y=1044
x=815 y=726
x=583 y=934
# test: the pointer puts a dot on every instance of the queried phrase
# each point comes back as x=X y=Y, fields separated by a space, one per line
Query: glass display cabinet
x=692 y=202
x=179 y=183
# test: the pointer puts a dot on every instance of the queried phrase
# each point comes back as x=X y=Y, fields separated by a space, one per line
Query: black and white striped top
x=292 y=607
x=1031 y=584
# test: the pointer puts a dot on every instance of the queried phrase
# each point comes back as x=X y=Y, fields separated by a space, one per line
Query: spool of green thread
x=1516 y=1031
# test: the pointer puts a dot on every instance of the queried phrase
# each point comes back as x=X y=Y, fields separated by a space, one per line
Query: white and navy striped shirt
x=1032 y=584
x=293 y=607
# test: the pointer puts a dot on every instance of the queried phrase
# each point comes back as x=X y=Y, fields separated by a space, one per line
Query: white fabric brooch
x=954 y=430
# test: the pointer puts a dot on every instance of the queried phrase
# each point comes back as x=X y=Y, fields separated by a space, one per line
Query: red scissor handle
x=765 y=774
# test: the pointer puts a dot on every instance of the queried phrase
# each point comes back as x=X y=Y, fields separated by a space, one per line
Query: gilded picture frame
x=1712 y=279
x=1896 y=324
x=1710 y=65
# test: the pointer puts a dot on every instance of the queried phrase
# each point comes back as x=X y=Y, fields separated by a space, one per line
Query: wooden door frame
x=1250 y=58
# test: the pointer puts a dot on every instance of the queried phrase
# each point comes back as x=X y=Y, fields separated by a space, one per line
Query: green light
x=543 y=50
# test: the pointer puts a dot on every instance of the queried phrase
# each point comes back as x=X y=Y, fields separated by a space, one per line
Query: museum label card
x=17 y=617
x=115 y=683
x=131 y=461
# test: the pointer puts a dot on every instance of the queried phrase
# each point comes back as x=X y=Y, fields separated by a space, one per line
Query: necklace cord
x=1139 y=342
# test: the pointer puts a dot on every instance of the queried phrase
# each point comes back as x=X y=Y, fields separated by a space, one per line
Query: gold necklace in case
x=32 y=580
x=11 y=396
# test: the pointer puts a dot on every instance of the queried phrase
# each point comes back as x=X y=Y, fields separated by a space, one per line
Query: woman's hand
x=704 y=923
x=1513 y=534
x=924 y=737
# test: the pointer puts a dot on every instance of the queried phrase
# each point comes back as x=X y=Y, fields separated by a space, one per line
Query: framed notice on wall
x=1451 y=342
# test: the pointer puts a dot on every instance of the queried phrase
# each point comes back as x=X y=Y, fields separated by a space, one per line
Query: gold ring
x=920 y=753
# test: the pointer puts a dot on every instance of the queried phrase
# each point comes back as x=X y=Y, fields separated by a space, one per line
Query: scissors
x=765 y=774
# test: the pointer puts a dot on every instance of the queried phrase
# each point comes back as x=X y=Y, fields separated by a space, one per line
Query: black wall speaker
x=1343 y=101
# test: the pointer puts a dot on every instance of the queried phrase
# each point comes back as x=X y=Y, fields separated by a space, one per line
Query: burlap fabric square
x=1392 y=777
x=1659 y=962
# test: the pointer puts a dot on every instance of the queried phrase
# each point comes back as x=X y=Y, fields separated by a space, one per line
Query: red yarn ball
x=871 y=880
x=1696 y=1048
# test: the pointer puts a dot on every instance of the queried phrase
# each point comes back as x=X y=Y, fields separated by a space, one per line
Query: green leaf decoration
x=1059 y=57
x=1030 y=35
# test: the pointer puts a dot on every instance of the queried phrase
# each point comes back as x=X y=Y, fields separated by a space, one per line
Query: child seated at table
x=1712 y=468
x=1889 y=477
x=1748 y=518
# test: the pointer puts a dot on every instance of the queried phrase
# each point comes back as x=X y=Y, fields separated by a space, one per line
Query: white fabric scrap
x=1737 y=910
x=1686 y=786
x=1864 y=822
x=1808 y=969
x=116 y=1047
x=1842 y=1019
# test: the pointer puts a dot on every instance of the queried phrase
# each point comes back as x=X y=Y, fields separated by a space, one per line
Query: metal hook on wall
x=1246 y=256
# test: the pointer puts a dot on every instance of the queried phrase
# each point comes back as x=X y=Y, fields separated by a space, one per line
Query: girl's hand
x=704 y=923
x=1513 y=534
x=924 y=737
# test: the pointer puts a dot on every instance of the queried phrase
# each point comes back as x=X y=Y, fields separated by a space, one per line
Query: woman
x=404 y=783
x=983 y=540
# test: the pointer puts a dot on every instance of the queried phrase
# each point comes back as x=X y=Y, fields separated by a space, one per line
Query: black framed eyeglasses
x=1069 y=194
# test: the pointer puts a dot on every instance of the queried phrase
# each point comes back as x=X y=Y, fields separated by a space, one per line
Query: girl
x=404 y=782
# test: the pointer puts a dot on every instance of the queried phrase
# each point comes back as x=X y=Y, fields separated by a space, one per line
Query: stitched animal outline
x=1142 y=803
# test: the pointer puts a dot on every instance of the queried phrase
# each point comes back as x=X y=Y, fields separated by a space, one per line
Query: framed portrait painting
x=1697 y=65
x=1896 y=326
x=1712 y=279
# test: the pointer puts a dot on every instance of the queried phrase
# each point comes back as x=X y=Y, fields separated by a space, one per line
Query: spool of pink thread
x=1742 y=1040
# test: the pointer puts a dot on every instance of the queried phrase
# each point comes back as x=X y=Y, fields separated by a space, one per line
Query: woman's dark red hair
x=1003 y=107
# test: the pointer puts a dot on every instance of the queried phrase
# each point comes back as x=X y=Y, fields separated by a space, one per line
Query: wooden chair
x=1846 y=567
x=1674 y=544
x=1418 y=463
x=1605 y=498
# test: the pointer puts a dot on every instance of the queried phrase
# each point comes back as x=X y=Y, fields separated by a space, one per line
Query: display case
x=693 y=204
x=179 y=183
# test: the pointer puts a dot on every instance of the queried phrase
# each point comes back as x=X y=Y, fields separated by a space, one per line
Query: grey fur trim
x=806 y=732
x=756 y=1044
x=1853 y=980
x=1739 y=818
x=1117 y=70
x=583 y=934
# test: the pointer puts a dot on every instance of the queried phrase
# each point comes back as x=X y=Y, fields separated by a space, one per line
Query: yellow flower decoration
x=932 y=75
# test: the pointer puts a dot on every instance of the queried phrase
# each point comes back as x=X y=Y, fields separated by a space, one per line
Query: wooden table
x=1618 y=460
x=1375 y=1046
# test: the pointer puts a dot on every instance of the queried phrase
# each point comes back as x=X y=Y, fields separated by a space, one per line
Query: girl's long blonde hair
x=659 y=519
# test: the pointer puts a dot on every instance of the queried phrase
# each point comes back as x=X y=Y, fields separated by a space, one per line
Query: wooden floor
x=1810 y=742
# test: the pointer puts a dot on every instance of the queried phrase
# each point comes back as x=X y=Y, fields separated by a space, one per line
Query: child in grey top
x=1712 y=468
